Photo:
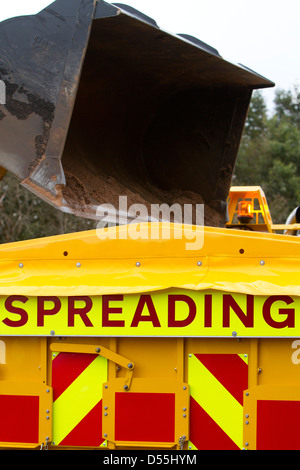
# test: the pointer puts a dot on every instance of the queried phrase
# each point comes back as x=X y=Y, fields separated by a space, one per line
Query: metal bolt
x=259 y=370
x=245 y=355
x=246 y=444
x=52 y=332
x=138 y=264
x=130 y=365
x=47 y=411
x=47 y=390
x=21 y=265
x=105 y=407
x=105 y=386
x=184 y=409
x=247 y=422
x=97 y=350
x=47 y=417
x=184 y=416
x=262 y=262
x=105 y=435
x=199 y=263
x=190 y=355
x=78 y=265
x=234 y=333
x=184 y=388
x=247 y=394
x=125 y=387
x=105 y=414
x=247 y=416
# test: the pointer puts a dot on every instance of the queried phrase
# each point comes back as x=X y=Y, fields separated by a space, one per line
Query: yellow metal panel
x=161 y=364
x=147 y=385
x=170 y=313
x=85 y=264
x=23 y=359
x=263 y=392
x=44 y=392
x=250 y=193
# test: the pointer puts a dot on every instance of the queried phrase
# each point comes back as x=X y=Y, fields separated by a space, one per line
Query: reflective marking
x=215 y=399
x=78 y=399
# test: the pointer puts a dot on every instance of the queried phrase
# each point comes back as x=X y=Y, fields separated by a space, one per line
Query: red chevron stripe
x=66 y=367
x=88 y=432
x=205 y=433
x=230 y=370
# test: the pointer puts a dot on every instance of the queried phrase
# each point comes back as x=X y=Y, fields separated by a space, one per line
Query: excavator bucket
x=100 y=103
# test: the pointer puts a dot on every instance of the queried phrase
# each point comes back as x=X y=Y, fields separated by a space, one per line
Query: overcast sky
x=264 y=35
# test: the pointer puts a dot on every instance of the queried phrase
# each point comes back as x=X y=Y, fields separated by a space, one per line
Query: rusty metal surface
x=100 y=102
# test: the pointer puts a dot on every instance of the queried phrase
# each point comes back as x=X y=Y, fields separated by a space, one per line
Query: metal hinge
x=45 y=446
x=181 y=442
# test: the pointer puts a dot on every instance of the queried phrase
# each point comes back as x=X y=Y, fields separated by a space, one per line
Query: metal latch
x=104 y=352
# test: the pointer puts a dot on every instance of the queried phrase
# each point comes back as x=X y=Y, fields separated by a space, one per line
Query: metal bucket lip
x=43 y=78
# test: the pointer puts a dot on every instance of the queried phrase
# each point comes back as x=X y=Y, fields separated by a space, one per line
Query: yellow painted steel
x=112 y=356
x=264 y=392
x=262 y=220
x=44 y=392
x=273 y=369
x=164 y=313
x=23 y=371
x=148 y=385
x=84 y=264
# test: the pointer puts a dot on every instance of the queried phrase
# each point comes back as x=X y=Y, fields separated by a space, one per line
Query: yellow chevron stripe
x=191 y=446
x=78 y=399
x=215 y=399
x=244 y=357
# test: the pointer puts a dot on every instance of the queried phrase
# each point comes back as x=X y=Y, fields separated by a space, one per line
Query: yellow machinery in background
x=123 y=337
x=248 y=210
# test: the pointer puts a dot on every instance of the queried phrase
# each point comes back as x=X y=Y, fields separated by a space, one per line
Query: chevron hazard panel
x=217 y=382
x=77 y=380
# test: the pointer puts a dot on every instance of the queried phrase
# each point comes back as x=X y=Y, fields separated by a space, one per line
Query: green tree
x=269 y=154
x=25 y=216
x=250 y=166
x=287 y=105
